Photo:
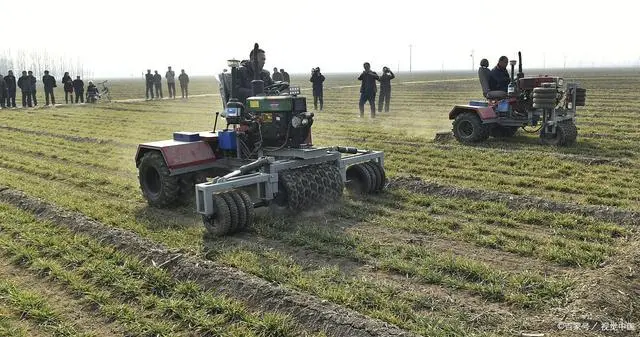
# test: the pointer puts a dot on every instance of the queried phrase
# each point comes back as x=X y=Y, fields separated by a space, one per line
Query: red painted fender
x=483 y=112
x=179 y=155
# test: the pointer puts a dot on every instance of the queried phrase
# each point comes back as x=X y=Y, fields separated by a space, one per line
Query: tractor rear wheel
x=468 y=128
x=566 y=134
x=157 y=185
x=500 y=131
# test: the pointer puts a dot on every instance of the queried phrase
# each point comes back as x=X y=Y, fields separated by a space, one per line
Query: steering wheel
x=276 y=88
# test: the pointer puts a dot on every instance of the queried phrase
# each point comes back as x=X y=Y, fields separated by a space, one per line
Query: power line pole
x=410 y=57
x=473 y=61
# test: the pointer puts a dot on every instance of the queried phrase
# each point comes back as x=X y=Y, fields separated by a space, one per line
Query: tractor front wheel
x=566 y=134
x=468 y=128
x=158 y=187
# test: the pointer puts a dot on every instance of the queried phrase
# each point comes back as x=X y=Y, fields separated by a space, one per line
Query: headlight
x=296 y=121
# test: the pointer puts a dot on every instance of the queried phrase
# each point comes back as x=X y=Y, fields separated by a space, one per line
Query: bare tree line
x=39 y=60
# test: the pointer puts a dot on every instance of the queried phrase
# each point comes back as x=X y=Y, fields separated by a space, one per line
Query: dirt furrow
x=605 y=213
x=311 y=312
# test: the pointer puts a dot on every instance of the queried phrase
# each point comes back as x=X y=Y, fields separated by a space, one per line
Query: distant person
x=368 y=89
x=171 y=82
x=24 y=83
x=67 y=85
x=92 y=93
x=277 y=76
x=317 y=79
x=285 y=76
x=385 y=89
x=499 y=79
x=49 y=82
x=33 y=81
x=3 y=92
x=149 y=83
x=10 y=81
x=78 y=88
x=247 y=73
x=157 y=83
x=183 y=78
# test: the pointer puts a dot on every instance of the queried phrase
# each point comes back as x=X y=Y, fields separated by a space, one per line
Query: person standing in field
x=157 y=83
x=368 y=89
x=67 y=84
x=277 y=76
x=171 y=82
x=78 y=88
x=10 y=81
x=317 y=79
x=24 y=83
x=3 y=91
x=49 y=83
x=33 y=81
x=285 y=76
x=184 y=83
x=385 y=89
x=148 y=77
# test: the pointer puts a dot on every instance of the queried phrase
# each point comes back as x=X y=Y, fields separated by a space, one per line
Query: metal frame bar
x=266 y=181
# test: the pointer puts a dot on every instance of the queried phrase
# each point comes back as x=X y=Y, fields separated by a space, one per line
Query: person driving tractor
x=499 y=78
x=246 y=74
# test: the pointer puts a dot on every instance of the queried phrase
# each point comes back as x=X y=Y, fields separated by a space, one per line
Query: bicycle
x=104 y=92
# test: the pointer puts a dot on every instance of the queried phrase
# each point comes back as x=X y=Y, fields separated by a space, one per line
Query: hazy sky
x=118 y=38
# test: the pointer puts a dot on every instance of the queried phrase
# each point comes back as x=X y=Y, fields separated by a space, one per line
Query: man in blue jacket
x=499 y=78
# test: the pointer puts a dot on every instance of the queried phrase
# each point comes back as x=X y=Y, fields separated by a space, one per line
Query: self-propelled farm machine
x=264 y=157
x=544 y=103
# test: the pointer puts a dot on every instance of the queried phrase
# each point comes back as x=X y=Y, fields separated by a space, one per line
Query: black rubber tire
x=468 y=128
x=233 y=212
x=292 y=190
x=377 y=187
x=373 y=175
x=500 y=131
x=220 y=223
x=242 y=211
x=551 y=101
x=248 y=207
x=566 y=134
x=359 y=179
x=381 y=174
x=158 y=187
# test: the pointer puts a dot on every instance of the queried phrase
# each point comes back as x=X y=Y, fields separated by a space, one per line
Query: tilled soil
x=312 y=313
x=612 y=214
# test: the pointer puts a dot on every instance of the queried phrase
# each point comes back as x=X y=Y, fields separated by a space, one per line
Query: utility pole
x=410 y=57
x=473 y=61
x=565 y=62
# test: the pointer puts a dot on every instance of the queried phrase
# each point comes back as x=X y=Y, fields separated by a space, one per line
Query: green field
x=497 y=239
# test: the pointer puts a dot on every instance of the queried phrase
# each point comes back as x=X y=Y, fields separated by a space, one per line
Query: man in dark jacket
x=78 y=87
x=183 y=78
x=385 y=89
x=157 y=83
x=317 y=79
x=368 y=89
x=285 y=76
x=33 y=81
x=68 y=87
x=149 y=83
x=499 y=78
x=247 y=72
x=277 y=76
x=24 y=83
x=49 y=82
x=170 y=75
x=10 y=80
x=3 y=91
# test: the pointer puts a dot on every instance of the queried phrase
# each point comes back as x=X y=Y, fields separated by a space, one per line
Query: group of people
x=9 y=86
x=368 y=78
x=154 y=81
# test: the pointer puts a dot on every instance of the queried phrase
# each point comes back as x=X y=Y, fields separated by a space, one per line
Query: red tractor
x=543 y=101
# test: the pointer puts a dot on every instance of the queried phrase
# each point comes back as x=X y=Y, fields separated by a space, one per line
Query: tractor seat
x=484 y=74
x=496 y=94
